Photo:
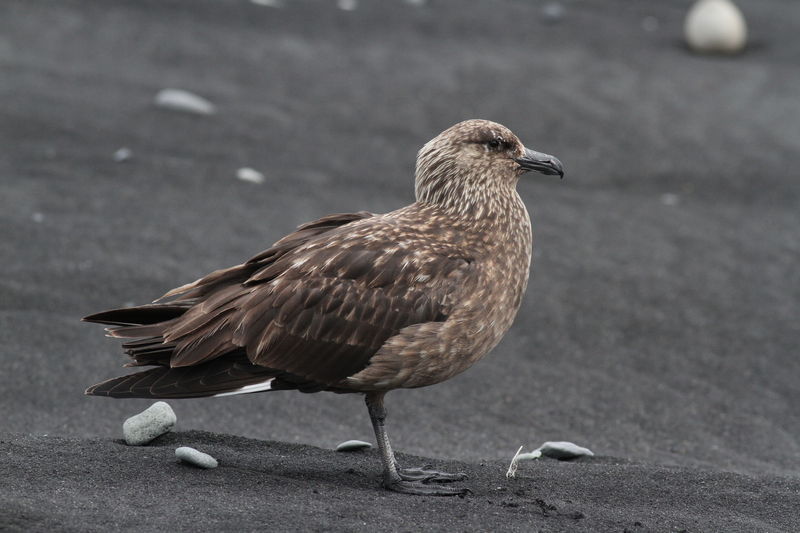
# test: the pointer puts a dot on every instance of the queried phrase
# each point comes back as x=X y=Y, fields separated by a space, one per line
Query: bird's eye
x=494 y=144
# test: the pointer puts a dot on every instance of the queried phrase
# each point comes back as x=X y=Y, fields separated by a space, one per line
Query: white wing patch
x=254 y=387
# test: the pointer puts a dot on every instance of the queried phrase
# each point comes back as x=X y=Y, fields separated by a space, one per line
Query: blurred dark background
x=661 y=321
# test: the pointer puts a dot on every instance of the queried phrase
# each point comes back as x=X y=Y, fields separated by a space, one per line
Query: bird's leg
x=411 y=481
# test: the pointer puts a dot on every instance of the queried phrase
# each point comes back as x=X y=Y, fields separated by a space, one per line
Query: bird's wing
x=321 y=310
x=239 y=273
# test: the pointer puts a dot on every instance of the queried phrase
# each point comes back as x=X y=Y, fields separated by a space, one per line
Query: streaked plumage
x=355 y=302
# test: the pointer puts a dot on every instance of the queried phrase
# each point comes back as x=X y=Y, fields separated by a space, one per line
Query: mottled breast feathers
x=318 y=304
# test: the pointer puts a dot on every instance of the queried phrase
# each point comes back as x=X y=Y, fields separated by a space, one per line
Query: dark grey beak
x=539 y=162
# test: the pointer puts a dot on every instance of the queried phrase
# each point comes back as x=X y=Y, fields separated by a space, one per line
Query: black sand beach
x=660 y=324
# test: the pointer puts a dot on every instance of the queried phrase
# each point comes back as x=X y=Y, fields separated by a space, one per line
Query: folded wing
x=314 y=308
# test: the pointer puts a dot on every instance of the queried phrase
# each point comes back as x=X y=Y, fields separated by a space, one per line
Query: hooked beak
x=539 y=162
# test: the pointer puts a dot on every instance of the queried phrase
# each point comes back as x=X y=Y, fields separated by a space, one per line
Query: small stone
x=249 y=174
x=123 y=154
x=563 y=451
x=38 y=217
x=650 y=24
x=153 y=422
x=347 y=5
x=553 y=12
x=670 y=199
x=529 y=456
x=715 y=27
x=352 y=445
x=180 y=100
x=195 y=457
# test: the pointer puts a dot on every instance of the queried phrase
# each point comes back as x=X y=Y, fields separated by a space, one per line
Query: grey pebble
x=180 y=100
x=195 y=457
x=249 y=174
x=650 y=24
x=352 y=445
x=563 y=451
x=154 y=421
x=670 y=199
x=123 y=154
x=268 y=3
x=715 y=26
x=529 y=456
x=553 y=12
x=347 y=5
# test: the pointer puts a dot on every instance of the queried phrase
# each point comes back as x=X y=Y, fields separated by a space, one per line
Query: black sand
x=660 y=327
x=268 y=485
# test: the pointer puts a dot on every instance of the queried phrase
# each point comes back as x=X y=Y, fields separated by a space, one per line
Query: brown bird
x=357 y=302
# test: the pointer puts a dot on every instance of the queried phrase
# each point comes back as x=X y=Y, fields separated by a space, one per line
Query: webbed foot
x=430 y=476
x=420 y=488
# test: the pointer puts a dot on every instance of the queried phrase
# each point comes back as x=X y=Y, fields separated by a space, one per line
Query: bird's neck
x=497 y=224
x=473 y=201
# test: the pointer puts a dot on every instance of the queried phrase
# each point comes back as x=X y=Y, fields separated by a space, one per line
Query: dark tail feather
x=141 y=315
x=149 y=351
x=208 y=379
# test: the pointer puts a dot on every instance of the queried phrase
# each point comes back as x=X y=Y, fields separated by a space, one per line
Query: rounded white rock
x=268 y=3
x=180 y=100
x=529 y=456
x=715 y=26
x=123 y=154
x=249 y=174
x=347 y=5
x=563 y=451
x=670 y=199
x=352 y=445
x=553 y=12
x=195 y=457
x=153 y=422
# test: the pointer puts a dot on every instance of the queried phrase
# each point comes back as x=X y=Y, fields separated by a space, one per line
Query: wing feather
x=317 y=305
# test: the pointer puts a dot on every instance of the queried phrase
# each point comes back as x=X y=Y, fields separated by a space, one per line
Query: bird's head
x=473 y=158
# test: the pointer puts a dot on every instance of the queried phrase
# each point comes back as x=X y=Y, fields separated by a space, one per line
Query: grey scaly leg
x=413 y=480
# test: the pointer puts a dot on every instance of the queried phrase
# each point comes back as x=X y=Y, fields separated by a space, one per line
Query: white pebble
x=529 y=456
x=180 y=100
x=249 y=174
x=352 y=445
x=715 y=26
x=563 y=451
x=650 y=24
x=347 y=5
x=553 y=12
x=154 y=421
x=123 y=154
x=195 y=457
x=670 y=199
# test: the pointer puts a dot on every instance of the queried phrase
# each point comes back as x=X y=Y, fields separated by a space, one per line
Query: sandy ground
x=660 y=327
x=105 y=485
